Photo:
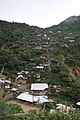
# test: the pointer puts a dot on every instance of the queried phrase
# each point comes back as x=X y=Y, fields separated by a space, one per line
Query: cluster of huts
x=36 y=93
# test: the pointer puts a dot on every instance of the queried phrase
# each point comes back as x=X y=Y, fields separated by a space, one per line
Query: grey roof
x=39 y=86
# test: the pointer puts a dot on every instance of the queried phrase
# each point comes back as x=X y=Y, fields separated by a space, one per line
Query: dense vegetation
x=14 y=112
x=8 y=109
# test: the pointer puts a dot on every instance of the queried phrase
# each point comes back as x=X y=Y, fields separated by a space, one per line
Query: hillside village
x=40 y=66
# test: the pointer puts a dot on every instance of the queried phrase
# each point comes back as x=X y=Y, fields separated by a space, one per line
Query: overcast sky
x=42 y=13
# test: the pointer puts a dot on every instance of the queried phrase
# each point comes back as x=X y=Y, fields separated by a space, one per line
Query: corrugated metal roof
x=39 y=86
x=42 y=99
x=39 y=67
x=78 y=103
x=27 y=97
x=14 y=89
x=30 y=98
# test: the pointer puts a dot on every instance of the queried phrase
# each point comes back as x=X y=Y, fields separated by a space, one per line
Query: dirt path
x=24 y=105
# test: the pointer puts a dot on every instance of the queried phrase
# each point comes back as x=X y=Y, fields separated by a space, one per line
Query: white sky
x=42 y=13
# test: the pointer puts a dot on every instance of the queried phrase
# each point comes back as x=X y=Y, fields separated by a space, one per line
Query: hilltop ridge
x=72 y=19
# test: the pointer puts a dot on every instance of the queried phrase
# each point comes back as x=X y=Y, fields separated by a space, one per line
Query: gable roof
x=39 y=86
x=30 y=98
x=39 y=67
x=42 y=99
x=27 y=97
x=78 y=103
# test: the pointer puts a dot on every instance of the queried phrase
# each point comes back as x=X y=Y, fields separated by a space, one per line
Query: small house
x=39 y=68
x=39 y=88
x=27 y=97
x=32 y=98
x=5 y=83
x=78 y=104
x=21 y=79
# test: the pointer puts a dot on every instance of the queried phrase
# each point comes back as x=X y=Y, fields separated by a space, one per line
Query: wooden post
x=32 y=96
x=65 y=106
x=2 y=70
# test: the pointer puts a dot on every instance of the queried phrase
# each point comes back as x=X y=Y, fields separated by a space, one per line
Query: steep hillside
x=67 y=36
x=49 y=55
x=18 y=43
x=15 y=42
x=12 y=32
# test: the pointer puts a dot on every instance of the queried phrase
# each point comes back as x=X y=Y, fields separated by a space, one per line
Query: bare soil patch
x=24 y=105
